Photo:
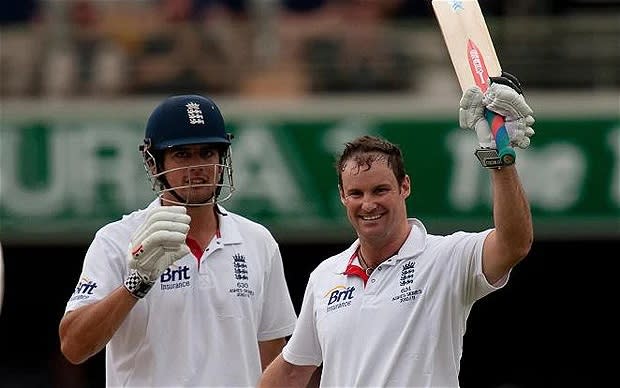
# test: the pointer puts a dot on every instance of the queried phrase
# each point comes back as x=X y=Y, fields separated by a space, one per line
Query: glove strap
x=137 y=285
x=489 y=158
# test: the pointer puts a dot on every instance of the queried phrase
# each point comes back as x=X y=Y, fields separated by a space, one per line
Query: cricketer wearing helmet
x=183 y=292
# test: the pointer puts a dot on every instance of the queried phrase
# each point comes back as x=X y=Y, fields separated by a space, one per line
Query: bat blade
x=473 y=57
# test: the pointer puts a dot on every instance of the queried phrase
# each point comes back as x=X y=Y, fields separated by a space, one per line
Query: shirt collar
x=354 y=269
x=229 y=232
x=413 y=246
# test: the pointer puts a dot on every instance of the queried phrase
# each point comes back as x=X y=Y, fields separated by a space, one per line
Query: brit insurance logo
x=339 y=297
x=172 y=279
x=407 y=292
x=84 y=289
x=240 y=271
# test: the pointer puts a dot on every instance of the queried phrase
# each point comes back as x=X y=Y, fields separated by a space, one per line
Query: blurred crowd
x=266 y=47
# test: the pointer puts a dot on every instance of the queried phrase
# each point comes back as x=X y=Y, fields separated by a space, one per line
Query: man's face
x=193 y=171
x=374 y=200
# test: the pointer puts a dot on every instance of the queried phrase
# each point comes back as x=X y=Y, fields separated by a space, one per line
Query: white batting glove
x=158 y=242
x=503 y=100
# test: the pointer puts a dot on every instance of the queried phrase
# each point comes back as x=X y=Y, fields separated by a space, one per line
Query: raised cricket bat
x=474 y=59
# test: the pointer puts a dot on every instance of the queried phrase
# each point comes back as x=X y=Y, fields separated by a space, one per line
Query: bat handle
x=502 y=140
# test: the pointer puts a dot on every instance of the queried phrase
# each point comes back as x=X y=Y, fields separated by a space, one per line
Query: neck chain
x=368 y=269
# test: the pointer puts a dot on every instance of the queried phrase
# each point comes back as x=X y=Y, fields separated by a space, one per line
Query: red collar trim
x=194 y=247
x=355 y=270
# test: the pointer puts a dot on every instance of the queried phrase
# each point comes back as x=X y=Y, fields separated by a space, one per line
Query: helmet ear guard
x=226 y=175
x=151 y=160
x=147 y=156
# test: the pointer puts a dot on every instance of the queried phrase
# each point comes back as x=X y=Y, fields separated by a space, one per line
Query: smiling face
x=373 y=197
x=192 y=173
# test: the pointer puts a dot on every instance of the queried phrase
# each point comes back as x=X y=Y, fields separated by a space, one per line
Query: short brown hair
x=365 y=150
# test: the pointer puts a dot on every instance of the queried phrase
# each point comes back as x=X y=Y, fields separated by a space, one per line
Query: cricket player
x=391 y=310
x=183 y=292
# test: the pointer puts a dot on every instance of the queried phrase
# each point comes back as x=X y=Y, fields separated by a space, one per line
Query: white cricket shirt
x=201 y=322
x=405 y=326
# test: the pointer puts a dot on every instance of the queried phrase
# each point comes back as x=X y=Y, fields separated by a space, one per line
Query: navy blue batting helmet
x=185 y=119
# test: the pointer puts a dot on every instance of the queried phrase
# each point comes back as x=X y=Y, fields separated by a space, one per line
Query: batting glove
x=505 y=98
x=157 y=243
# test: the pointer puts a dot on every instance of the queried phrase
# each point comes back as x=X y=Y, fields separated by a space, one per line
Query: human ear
x=343 y=199
x=405 y=187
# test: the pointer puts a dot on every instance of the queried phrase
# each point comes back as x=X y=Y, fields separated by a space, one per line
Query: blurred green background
x=295 y=80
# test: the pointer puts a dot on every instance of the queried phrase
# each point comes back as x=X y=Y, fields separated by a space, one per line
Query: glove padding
x=505 y=99
x=158 y=242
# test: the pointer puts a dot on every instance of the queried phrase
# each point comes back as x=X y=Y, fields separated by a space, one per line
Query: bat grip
x=498 y=128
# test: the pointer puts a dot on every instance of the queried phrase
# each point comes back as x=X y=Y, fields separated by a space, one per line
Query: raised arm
x=155 y=245
x=512 y=238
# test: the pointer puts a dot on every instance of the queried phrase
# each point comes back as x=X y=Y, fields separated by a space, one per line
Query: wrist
x=137 y=285
x=489 y=158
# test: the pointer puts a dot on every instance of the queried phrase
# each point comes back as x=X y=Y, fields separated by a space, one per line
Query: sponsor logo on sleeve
x=84 y=289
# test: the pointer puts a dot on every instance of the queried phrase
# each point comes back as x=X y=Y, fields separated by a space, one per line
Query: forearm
x=269 y=350
x=85 y=331
x=281 y=373
x=512 y=216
